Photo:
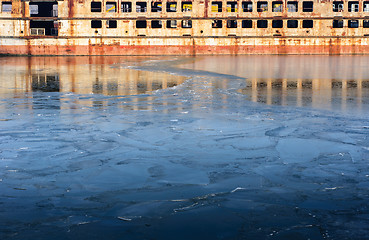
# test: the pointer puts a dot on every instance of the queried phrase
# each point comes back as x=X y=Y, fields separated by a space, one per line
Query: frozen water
x=251 y=147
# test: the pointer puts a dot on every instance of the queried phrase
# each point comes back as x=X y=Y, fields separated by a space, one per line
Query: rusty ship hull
x=197 y=27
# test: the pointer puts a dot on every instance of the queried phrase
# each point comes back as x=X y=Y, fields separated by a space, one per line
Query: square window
x=277 y=6
x=231 y=23
x=307 y=6
x=95 y=6
x=111 y=7
x=232 y=7
x=292 y=6
x=353 y=6
x=307 y=23
x=217 y=24
x=292 y=24
x=262 y=6
x=366 y=7
x=171 y=7
x=247 y=6
x=262 y=23
x=338 y=6
x=111 y=24
x=141 y=24
x=96 y=24
x=216 y=6
x=6 y=7
x=33 y=9
x=156 y=6
x=171 y=23
x=277 y=24
x=353 y=23
x=156 y=24
x=246 y=23
x=126 y=7
x=366 y=24
x=141 y=7
x=338 y=23
x=186 y=23
x=187 y=7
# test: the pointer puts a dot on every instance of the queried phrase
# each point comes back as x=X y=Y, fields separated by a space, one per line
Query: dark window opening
x=171 y=23
x=262 y=23
x=111 y=7
x=216 y=6
x=353 y=23
x=246 y=23
x=307 y=6
x=247 y=6
x=141 y=24
x=338 y=23
x=307 y=23
x=262 y=6
x=111 y=24
x=366 y=24
x=141 y=7
x=47 y=28
x=338 y=6
x=217 y=24
x=95 y=6
x=186 y=6
x=96 y=24
x=292 y=6
x=43 y=9
x=6 y=7
x=232 y=7
x=231 y=23
x=366 y=7
x=171 y=7
x=156 y=24
x=156 y=6
x=292 y=24
x=186 y=24
x=353 y=6
x=277 y=6
x=277 y=24
x=126 y=7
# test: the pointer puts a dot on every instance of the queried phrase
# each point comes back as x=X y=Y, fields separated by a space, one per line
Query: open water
x=246 y=147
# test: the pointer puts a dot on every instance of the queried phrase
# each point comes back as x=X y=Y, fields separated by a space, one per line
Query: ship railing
x=38 y=31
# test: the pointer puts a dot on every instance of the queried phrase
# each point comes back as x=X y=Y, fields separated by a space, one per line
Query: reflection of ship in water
x=45 y=82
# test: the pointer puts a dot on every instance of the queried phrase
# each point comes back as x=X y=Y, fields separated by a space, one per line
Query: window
x=141 y=7
x=366 y=7
x=353 y=6
x=171 y=23
x=96 y=24
x=338 y=6
x=186 y=6
x=156 y=6
x=232 y=23
x=277 y=6
x=156 y=24
x=217 y=24
x=262 y=23
x=126 y=7
x=292 y=24
x=111 y=7
x=277 y=24
x=246 y=23
x=338 y=23
x=186 y=23
x=247 y=6
x=353 y=23
x=307 y=6
x=232 y=7
x=95 y=6
x=33 y=9
x=307 y=23
x=262 y=6
x=111 y=23
x=171 y=7
x=292 y=6
x=141 y=24
x=366 y=24
x=6 y=7
x=216 y=6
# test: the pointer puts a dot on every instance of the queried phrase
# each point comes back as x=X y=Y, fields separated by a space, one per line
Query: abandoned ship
x=187 y=27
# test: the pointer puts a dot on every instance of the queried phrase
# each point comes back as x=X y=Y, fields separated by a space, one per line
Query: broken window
x=262 y=6
x=247 y=6
x=111 y=7
x=96 y=24
x=141 y=24
x=292 y=24
x=6 y=7
x=307 y=6
x=186 y=24
x=126 y=7
x=262 y=23
x=353 y=23
x=232 y=7
x=156 y=6
x=277 y=6
x=171 y=23
x=307 y=23
x=366 y=24
x=156 y=24
x=217 y=24
x=216 y=6
x=141 y=7
x=277 y=24
x=232 y=23
x=95 y=6
x=111 y=23
x=338 y=6
x=338 y=23
x=292 y=6
x=366 y=7
x=353 y=6
x=43 y=9
x=186 y=6
x=171 y=7
x=246 y=23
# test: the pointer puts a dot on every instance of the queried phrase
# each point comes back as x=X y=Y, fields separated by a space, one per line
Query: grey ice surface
x=196 y=161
